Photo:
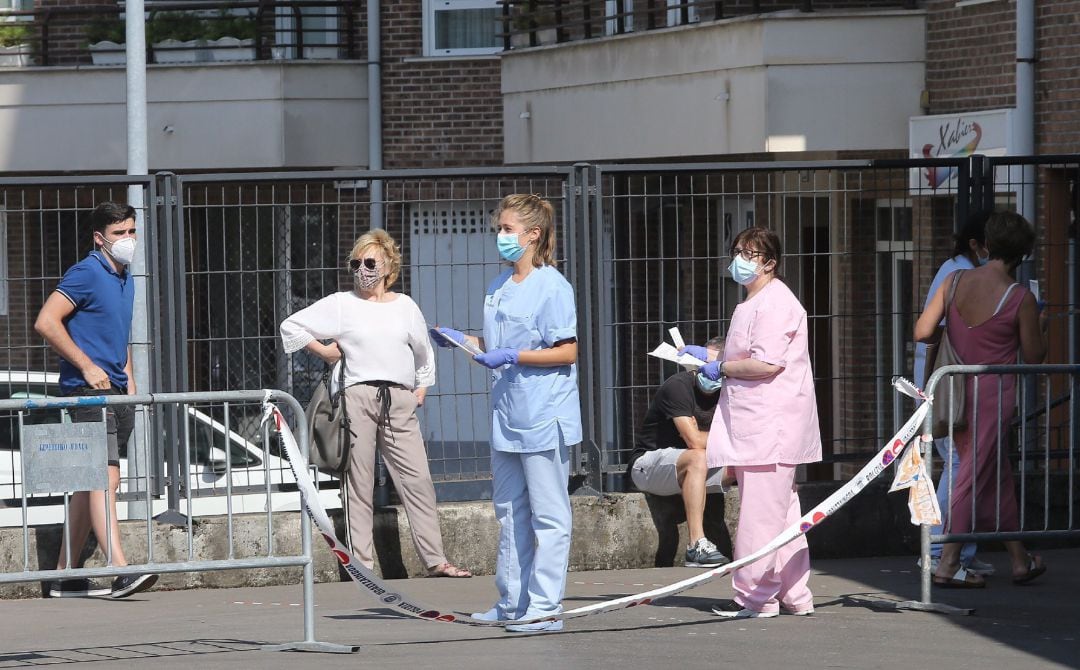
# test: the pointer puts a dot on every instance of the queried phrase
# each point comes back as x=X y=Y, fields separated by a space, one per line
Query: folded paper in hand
x=670 y=353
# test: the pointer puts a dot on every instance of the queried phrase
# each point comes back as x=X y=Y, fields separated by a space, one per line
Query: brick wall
x=970 y=64
x=436 y=112
x=66 y=28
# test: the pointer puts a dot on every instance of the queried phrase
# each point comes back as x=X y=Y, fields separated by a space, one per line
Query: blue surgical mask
x=707 y=385
x=983 y=260
x=509 y=247
x=743 y=271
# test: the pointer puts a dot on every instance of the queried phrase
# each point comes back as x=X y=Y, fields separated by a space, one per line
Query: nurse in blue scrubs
x=530 y=344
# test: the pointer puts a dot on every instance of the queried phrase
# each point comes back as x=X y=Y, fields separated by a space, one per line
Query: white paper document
x=670 y=353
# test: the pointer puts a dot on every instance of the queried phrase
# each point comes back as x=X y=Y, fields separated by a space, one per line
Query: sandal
x=448 y=570
x=961 y=580
x=1034 y=569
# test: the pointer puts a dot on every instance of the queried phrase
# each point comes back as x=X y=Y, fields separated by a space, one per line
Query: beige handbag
x=948 y=407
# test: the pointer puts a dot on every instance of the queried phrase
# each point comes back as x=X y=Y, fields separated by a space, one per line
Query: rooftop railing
x=183 y=32
x=530 y=23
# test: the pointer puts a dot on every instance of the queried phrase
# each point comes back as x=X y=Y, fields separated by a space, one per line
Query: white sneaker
x=729 y=609
x=934 y=560
x=806 y=612
x=977 y=567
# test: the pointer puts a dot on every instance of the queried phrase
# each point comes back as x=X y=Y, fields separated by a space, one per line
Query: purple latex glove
x=455 y=335
x=711 y=370
x=700 y=353
x=496 y=358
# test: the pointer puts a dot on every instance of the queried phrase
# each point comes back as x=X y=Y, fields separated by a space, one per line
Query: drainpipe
x=1024 y=125
x=374 y=63
x=135 y=28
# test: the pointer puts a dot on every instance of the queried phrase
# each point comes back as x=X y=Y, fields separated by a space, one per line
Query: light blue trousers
x=532 y=506
x=943 y=446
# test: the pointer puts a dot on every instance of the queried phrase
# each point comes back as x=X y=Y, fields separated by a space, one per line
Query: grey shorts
x=654 y=472
x=119 y=420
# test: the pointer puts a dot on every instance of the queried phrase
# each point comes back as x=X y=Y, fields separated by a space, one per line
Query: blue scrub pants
x=532 y=506
x=943 y=446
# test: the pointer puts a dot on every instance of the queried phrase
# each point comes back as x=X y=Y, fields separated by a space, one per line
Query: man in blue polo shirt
x=87 y=320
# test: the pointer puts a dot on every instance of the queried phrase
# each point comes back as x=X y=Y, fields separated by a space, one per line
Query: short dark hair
x=974 y=228
x=715 y=342
x=1009 y=237
x=108 y=213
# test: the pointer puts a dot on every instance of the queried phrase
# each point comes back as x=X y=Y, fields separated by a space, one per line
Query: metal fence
x=1019 y=452
x=231 y=255
x=158 y=554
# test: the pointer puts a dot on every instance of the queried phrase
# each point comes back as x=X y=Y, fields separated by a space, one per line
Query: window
x=462 y=27
x=619 y=25
x=681 y=12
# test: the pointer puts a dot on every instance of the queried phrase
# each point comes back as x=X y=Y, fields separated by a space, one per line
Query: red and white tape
x=367 y=581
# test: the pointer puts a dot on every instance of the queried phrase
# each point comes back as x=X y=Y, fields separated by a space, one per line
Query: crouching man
x=669 y=457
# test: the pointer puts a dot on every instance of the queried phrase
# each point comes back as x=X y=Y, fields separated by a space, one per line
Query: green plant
x=11 y=35
x=106 y=30
x=242 y=27
x=180 y=26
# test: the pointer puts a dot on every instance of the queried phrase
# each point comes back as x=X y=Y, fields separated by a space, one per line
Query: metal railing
x=261 y=556
x=184 y=32
x=1027 y=415
x=530 y=23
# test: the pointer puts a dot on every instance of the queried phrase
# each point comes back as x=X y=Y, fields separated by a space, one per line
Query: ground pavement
x=1013 y=626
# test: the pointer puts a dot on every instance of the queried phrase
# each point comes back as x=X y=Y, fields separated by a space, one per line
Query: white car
x=251 y=467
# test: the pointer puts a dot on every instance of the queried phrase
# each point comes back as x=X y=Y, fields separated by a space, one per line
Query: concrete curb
x=617 y=531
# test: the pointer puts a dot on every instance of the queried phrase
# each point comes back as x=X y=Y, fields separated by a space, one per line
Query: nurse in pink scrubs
x=765 y=425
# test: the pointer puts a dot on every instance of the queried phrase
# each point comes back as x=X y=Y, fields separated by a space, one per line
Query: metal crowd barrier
x=86 y=443
x=1041 y=436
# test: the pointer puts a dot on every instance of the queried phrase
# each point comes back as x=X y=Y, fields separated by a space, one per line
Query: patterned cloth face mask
x=367 y=272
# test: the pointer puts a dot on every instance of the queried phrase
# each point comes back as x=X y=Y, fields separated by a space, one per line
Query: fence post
x=580 y=255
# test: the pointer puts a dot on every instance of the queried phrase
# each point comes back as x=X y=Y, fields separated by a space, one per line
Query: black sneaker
x=126 y=585
x=76 y=588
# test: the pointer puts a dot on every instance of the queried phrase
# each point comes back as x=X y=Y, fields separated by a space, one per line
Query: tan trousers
x=406 y=459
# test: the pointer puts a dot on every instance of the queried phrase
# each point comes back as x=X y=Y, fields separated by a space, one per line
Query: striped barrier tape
x=367 y=581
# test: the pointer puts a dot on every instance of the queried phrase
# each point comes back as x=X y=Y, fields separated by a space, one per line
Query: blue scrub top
x=532 y=405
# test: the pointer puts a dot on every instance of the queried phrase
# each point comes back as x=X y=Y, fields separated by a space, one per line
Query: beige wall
x=241 y=116
x=828 y=81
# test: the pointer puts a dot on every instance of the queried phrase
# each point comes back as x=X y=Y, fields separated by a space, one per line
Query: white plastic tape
x=367 y=581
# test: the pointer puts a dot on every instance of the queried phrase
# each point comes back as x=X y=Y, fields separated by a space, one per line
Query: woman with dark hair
x=530 y=344
x=389 y=366
x=969 y=252
x=765 y=426
x=991 y=317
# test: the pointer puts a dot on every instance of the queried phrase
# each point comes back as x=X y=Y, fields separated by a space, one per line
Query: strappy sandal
x=448 y=570
x=962 y=579
x=1035 y=568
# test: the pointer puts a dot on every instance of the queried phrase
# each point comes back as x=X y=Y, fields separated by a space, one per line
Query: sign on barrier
x=65 y=457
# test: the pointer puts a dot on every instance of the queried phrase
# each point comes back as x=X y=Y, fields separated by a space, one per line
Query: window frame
x=432 y=7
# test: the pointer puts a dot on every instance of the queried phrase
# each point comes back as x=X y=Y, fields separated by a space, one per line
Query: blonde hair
x=381 y=239
x=534 y=212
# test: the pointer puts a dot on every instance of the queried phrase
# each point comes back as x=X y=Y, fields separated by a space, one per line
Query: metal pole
x=375 y=155
x=135 y=25
x=1025 y=103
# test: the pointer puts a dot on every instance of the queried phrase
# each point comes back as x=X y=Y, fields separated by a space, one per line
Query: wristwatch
x=723 y=375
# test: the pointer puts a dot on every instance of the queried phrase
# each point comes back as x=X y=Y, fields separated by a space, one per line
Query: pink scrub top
x=773 y=420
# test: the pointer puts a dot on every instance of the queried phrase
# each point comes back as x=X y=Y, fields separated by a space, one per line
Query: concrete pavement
x=1013 y=626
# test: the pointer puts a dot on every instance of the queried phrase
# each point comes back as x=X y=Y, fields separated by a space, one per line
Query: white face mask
x=123 y=250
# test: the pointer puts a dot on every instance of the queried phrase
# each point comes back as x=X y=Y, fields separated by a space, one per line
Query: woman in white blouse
x=389 y=366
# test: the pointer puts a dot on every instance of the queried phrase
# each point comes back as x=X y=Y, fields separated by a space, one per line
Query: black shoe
x=126 y=585
x=76 y=588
